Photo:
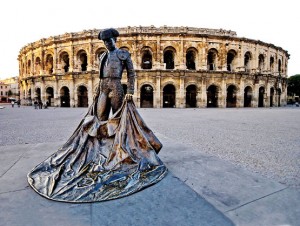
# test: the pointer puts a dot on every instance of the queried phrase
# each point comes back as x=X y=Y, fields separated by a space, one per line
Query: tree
x=294 y=85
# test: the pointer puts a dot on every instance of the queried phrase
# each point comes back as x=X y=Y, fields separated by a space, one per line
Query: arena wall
x=175 y=67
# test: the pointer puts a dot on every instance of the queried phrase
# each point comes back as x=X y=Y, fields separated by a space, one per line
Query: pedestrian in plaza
x=12 y=103
x=19 y=103
x=40 y=104
x=35 y=104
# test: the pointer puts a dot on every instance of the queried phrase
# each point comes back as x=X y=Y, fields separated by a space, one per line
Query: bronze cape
x=102 y=160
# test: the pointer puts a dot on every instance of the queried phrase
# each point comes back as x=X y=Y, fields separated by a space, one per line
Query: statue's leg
x=103 y=107
x=117 y=95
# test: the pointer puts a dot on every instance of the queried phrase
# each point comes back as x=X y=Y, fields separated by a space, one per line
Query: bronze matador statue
x=112 y=64
x=106 y=157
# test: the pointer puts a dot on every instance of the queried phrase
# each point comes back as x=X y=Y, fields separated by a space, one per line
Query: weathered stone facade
x=175 y=67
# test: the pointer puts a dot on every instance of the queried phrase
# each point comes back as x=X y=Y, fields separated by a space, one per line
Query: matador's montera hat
x=108 y=33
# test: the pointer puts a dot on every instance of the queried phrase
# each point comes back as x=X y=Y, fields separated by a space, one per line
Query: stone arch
x=28 y=70
x=82 y=59
x=279 y=96
x=49 y=63
x=231 y=96
x=191 y=96
x=247 y=61
x=213 y=91
x=261 y=62
x=23 y=68
x=82 y=95
x=279 y=66
x=212 y=59
x=29 y=94
x=49 y=95
x=191 y=58
x=169 y=96
x=64 y=96
x=64 y=61
x=169 y=54
x=98 y=53
x=37 y=93
x=261 y=96
x=272 y=93
x=147 y=95
x=248 y=96
x=38 y=66
x=146 y=55
x=272 y=61
x=231 y=60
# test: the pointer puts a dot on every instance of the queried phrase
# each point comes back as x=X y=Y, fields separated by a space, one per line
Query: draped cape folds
x=102 y=160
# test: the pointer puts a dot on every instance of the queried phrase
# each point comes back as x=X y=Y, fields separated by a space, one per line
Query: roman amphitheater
x=175 y=67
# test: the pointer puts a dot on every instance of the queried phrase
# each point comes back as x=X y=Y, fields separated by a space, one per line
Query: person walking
x=35 y=103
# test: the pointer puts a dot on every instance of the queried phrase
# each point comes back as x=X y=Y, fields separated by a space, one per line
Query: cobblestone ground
x=263 y=140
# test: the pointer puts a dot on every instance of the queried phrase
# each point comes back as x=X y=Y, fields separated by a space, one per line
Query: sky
x=24 y=22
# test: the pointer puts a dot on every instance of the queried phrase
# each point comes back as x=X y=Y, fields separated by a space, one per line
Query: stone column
x=223 y=95
x=32 y=91
x=159 y=61
x=71 y=58
x=181 y=100
x=90 y=56
x=240 y=94
x=32 y=64
x=267 y=61
x=240 y=56
x=203 y=92
x=136 y=95
x=203 y=57
x=136 y=54
x=255 y=57
x=56 y=96
x=181 y=57
x=90 y=90
x=42 y=66
x=72 y=93
x=43 y=91
x=55 y=59
x=157 y=98
x=268 y=95
x=255 y=95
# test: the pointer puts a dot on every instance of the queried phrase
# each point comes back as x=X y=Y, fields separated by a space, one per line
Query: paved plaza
x=227 y=167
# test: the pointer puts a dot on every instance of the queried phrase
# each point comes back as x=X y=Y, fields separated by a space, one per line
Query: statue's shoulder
x=122 y=54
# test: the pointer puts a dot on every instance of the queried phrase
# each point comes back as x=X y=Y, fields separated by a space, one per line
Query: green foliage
x=294 y=85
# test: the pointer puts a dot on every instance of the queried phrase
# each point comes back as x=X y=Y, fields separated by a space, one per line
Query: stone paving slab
x=244 y=197
x=223 y=184
x=278 y=209
x=170 y=202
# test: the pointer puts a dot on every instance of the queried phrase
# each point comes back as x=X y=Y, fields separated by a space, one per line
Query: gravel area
x=263 y=140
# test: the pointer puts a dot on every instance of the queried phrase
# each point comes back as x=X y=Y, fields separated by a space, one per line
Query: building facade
x=175 y=67
x=13 y=87
x=4 y=88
